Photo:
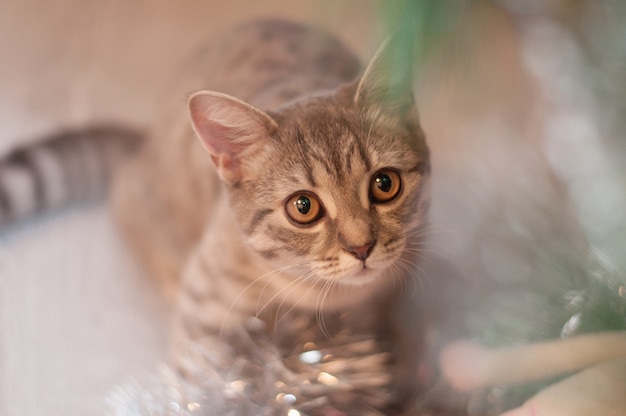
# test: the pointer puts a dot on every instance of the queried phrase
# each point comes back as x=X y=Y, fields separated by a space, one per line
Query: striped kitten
x=311 y=181
x=306 y=190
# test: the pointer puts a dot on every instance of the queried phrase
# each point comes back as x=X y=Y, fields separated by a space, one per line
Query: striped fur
x=68 y=167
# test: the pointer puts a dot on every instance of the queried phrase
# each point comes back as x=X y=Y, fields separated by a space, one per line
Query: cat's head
x=330 y=186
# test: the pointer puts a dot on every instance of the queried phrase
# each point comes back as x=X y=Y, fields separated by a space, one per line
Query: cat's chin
x=362 y=277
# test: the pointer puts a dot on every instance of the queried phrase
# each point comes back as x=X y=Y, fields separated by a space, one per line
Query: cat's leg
x=216 y=302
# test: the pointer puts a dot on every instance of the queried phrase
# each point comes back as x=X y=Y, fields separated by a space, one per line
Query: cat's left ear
x=233 y=132
x=387 y=83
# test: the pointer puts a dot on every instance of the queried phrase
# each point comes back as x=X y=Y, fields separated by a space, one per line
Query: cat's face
x=336 y=191
x=329 y=187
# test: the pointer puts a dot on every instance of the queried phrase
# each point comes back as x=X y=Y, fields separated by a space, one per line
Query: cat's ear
x=232 y=131
x=387 y=83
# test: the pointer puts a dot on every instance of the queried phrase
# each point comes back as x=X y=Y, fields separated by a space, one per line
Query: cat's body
x=318 y=131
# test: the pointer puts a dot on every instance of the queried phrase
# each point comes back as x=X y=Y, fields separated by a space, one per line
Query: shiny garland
x=349 y=377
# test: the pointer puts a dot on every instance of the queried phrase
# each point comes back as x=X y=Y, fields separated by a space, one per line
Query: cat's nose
x=361 y=252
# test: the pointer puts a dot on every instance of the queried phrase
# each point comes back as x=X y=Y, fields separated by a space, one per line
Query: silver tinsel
x=301 y=370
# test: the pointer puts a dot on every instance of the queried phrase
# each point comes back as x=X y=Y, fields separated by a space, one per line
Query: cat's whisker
x=431 y=246
x=324 y=292
x=294 y=285
x=311 y=286
x=421 y=232
x=328 y=286
x=416 y=273
x=304 y=295
x=439 y=228
x=422 y=242
x=423 y=239
x=272 y=273
x=421 y=275
x=422 y=251
x=406 y=280
x=396 y=276
x=404 y=274
x=282 y=290
x=444 y=255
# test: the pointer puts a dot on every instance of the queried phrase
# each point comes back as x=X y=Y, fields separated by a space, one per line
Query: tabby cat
x=308 y=190
x=312 y=188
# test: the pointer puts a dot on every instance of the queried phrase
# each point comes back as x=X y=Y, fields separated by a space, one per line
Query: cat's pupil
x=383 y=182
x=303 y=205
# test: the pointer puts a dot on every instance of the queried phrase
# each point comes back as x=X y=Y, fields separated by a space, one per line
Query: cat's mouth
x=347 y=271
x=362 y=276
x=365 y=271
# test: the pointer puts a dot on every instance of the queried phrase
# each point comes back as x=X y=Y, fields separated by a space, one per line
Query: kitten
x=312 y=188
x=308 y=190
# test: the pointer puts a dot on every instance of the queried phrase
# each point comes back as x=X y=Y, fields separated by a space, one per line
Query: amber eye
x=385 y=185
x=304 y=208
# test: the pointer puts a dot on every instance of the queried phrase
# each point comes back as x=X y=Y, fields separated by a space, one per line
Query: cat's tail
x=68 y=167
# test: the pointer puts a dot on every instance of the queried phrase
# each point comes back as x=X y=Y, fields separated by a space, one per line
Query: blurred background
x=524 y=106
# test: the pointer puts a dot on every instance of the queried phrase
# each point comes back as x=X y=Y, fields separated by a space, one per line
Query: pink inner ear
x=231 y=130
x=217 y=138
x=221 y=143
x=223 y=150
x=213 y=134
x=225 y=124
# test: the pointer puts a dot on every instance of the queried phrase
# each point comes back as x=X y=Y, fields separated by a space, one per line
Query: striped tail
x=69 y=167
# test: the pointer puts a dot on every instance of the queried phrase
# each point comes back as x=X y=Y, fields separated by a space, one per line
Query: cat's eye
x=385 y=186
x=303 y=208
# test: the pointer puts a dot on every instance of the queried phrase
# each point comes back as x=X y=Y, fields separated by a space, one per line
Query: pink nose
x=361 y=252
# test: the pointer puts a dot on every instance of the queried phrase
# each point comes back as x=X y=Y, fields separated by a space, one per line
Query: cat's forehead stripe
x=308 y=171
x=322 y=161
x=339 y=156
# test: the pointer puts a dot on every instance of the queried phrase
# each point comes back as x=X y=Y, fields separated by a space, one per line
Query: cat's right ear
x=232 y=131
